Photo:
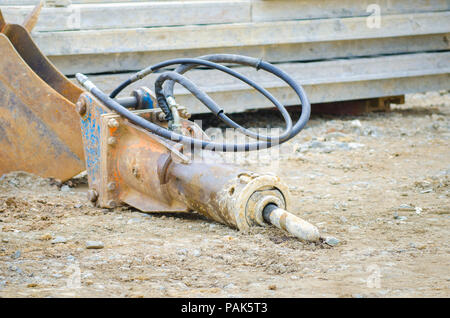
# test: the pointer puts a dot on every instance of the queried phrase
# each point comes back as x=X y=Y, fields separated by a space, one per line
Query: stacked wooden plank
x=335 y=49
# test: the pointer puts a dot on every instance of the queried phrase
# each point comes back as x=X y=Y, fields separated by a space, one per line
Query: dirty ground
x=378 y=183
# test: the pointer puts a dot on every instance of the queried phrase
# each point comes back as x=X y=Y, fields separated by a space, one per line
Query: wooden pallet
x=359 y=106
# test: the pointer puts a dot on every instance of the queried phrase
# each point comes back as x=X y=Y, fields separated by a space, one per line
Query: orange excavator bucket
x=39 y=126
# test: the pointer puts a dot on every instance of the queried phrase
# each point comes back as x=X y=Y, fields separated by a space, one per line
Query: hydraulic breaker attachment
x=39 y=127
x=127 y=164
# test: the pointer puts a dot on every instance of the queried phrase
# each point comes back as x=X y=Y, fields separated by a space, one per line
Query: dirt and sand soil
x=378 y=183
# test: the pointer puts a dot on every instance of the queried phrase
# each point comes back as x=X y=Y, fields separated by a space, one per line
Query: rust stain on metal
x=283 y=221
x=2 y=21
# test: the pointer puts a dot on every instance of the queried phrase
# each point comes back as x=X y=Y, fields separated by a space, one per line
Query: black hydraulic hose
x=258 y=64
x=176 y=76
x=163 y=132
x=206 y=100
x=306 y=106
x=120 y=88
x=216 y=58
x=213 y=107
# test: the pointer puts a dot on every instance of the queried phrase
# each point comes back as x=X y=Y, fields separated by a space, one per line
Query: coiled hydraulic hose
x=185 y=65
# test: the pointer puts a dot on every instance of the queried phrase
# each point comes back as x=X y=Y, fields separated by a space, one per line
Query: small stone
x=355 y=124
x=332 y=241
x=134 y=220
x=418 y=210
x=46 y=237
x=65 y=188
x=16 y=254
x=355 y=145
x=336 y=135
x=32 y=285
x=399 y=217
x=406 y=207
x=425 y=183
x=15 y=269
x=230 y=285
x=70 y=258
x=59 y=239
x=182 y=251
x=316 y=144
x=196 y=253
x=343 y=219
x=78 y=205
x=87 y=275
x=327 y=150
x=94 y=245
x=272 y=287
x=5 y=240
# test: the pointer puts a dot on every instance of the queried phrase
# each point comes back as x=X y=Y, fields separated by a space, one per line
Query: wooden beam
x=263 y=10
x=133 y=61
x=238 y=34
x=134 y=15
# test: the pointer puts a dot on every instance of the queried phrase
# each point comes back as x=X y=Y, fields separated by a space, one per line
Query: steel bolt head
x=81 y=107
x=184 y=113
x=162 y=116
x=112 y=140
x=113 y=123
x=112 y=204
x=92 y=195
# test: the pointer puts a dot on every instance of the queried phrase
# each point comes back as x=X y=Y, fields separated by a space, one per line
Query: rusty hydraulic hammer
x=157 y=160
